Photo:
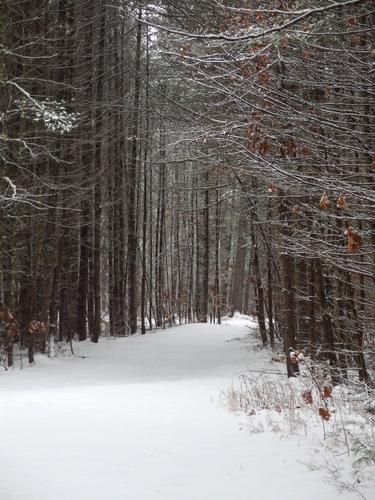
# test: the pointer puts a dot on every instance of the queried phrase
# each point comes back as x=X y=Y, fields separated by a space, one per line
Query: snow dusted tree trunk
x=145 y=192
x=259 y=292
x=99 y=76
x=326 y=322
x=132 y=186
x=217 y=292
x=206 y=251
x=239 y=266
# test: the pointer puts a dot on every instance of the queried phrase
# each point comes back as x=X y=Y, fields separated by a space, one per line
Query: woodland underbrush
x=337 y=422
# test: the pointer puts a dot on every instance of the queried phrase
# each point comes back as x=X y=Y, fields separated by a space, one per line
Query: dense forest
x=182 y=160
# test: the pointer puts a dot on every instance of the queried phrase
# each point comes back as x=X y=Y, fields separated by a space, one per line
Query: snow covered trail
x=140 y=418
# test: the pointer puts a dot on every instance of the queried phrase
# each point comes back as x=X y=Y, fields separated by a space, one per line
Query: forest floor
x=157 y=417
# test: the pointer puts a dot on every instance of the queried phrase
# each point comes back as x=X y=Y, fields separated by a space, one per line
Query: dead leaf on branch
x=36 y=327
x=283 y=43
x=324 y=202
x=12 y=330
x=354 y=240
x=324 y=414
x=341 y=202
x=264 y=77
x=288 y=148
x=307 y=397
x=272 y=189
x=306 y=55
x=296 y=209
x=305 y=151
x=6 y=315
x=327 y=391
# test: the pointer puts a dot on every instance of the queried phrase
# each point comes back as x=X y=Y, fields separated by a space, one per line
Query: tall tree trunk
x=132 y=186
x=98 y=172
x=239 y=267
x=259 y=288
x=206 y=253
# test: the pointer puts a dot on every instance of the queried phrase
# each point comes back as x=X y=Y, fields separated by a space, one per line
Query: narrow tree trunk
x=132 y=186
x=239 y=267
x=259 y=289
x=97 y=189
x=206 y=254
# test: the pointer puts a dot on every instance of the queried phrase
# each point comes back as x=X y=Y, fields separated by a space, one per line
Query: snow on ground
x=141 y=418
